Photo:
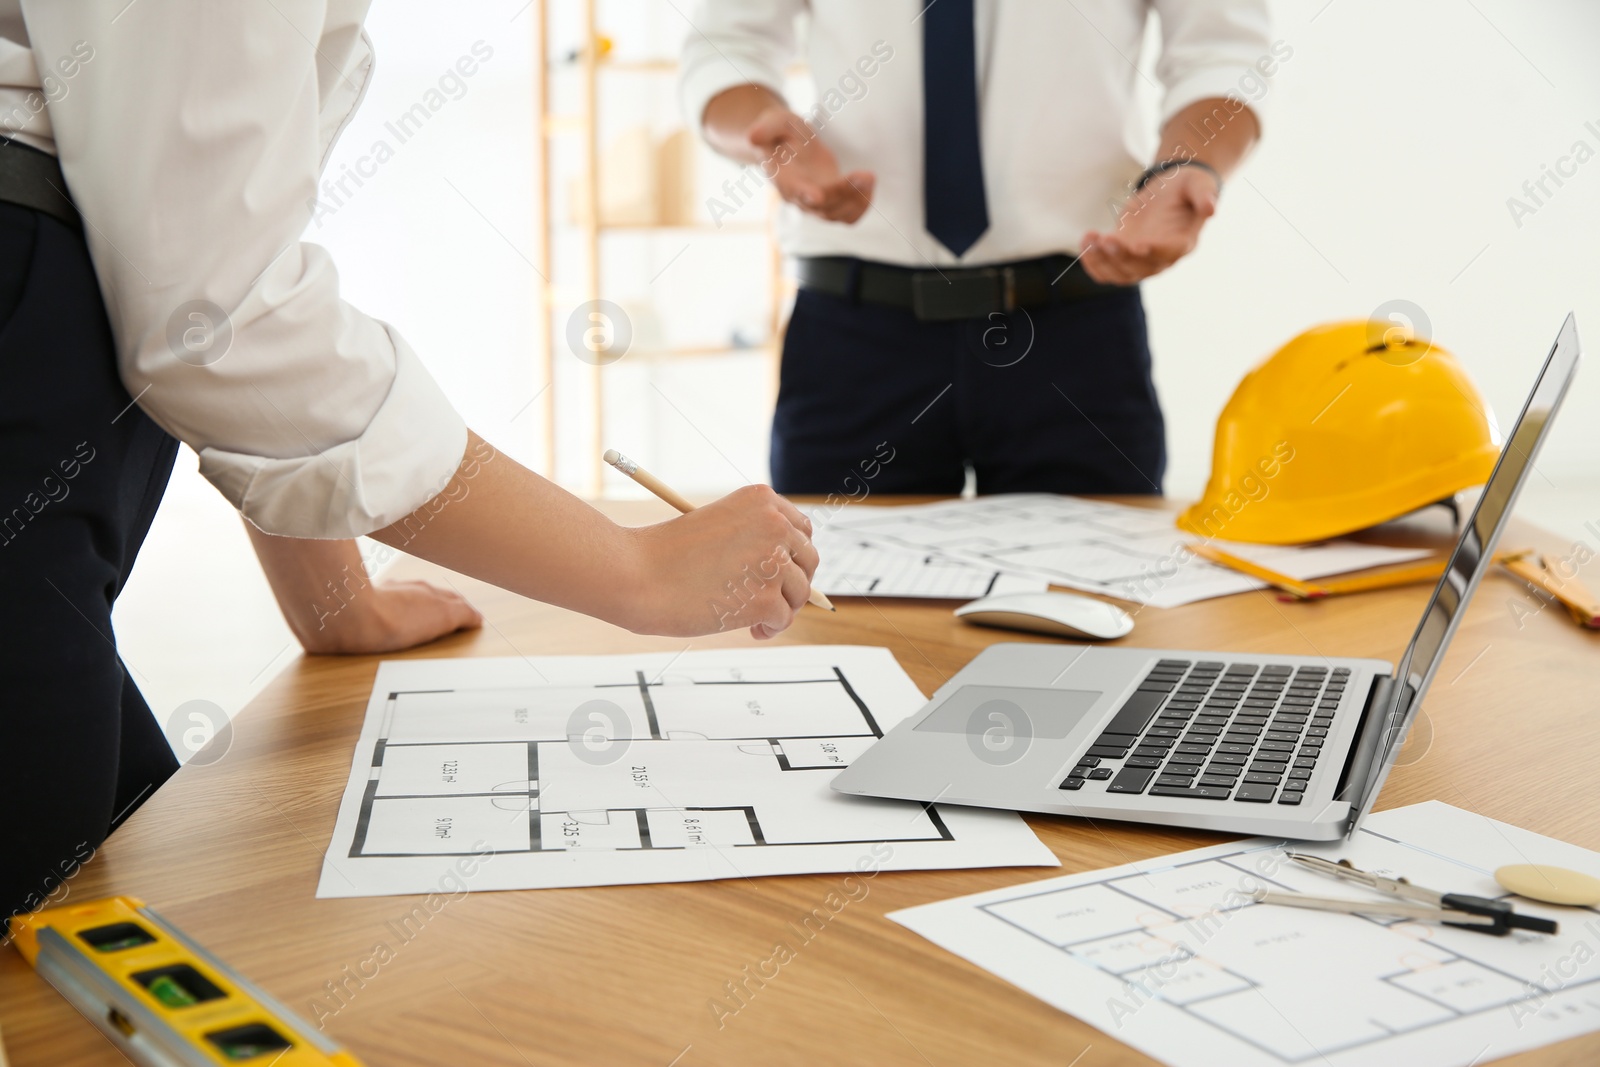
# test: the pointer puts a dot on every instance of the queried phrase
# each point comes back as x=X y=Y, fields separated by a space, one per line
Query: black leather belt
x=31 y=178
x=951 y=293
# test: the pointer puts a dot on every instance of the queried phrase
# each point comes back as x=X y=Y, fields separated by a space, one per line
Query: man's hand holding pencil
x=747 y=557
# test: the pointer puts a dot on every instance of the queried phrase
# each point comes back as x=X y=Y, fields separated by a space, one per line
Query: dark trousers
x=81 y=472
x=1052 y=399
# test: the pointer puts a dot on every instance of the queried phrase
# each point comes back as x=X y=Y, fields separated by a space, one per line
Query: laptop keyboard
x=1214 y=732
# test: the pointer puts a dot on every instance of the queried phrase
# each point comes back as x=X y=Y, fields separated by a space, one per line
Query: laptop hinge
x=1378 y=697
x=1365 y=761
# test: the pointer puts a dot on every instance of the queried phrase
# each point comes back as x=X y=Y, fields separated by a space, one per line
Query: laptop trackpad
x=982 y=710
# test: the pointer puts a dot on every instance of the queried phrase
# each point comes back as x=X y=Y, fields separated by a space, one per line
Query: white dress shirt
x=192 y=136
x=1058 y=121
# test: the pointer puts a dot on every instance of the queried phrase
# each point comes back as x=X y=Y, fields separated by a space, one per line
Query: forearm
x=1211 y=132
x=312 y=580
x=500 y=522
x=729 y=116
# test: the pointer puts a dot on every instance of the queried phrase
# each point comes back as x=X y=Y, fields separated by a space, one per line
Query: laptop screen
x=1471 y=559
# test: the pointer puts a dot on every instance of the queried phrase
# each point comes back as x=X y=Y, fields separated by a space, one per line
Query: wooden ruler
x=1525 y=563
x=1534 y=569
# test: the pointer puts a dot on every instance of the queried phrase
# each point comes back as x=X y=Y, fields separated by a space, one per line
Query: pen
x=671 y=496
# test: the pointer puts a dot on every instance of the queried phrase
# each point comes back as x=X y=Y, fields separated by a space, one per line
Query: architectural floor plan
x=1127 y=552
x=618 y=769
x=1174 y=957
x=852 y=566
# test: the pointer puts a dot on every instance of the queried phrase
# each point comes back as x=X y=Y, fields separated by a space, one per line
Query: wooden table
x=626 y=975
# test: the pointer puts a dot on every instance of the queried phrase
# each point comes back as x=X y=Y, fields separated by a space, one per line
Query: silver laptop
x=1291 y=746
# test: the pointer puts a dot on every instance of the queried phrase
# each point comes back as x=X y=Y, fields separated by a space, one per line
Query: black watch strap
x=1157 y=169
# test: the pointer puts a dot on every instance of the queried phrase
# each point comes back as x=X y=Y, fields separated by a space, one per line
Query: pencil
x=671 y=496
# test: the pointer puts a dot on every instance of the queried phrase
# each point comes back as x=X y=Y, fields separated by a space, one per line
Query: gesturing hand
x=744 y=560
x=805 y=170
x=1159 y=225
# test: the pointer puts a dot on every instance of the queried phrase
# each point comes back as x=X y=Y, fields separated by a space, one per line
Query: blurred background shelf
x=620 y=171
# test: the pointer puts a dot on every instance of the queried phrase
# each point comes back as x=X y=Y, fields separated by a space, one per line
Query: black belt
x=32 y=178
x=951 y=293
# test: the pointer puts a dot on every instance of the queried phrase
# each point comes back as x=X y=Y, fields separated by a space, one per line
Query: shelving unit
x=590 y=67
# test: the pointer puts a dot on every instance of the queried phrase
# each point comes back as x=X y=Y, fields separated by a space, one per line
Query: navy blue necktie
x=952 y=166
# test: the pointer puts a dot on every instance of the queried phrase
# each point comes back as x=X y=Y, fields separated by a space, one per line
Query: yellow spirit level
x=160 y=998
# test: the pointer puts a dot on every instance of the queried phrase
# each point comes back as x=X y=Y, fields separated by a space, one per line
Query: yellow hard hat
x=1348 y=425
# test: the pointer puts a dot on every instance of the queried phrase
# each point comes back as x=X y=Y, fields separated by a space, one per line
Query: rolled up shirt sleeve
x=1214 y=49
x=734 y=42
x=191 y=142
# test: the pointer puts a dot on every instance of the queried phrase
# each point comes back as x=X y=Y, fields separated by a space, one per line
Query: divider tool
x=1479 y=914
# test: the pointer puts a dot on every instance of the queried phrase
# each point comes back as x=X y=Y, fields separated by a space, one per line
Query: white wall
x=441 y=242
x=1394 y=136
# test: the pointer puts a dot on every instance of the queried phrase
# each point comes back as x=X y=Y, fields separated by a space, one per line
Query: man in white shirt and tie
x=971 y=223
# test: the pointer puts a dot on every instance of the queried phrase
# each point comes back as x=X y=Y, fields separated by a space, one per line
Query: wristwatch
x=1156 y=169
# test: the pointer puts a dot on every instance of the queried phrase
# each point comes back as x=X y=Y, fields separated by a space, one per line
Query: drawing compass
x=1414 y=902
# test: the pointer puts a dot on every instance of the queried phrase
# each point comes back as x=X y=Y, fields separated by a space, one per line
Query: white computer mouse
x=1059 y=614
